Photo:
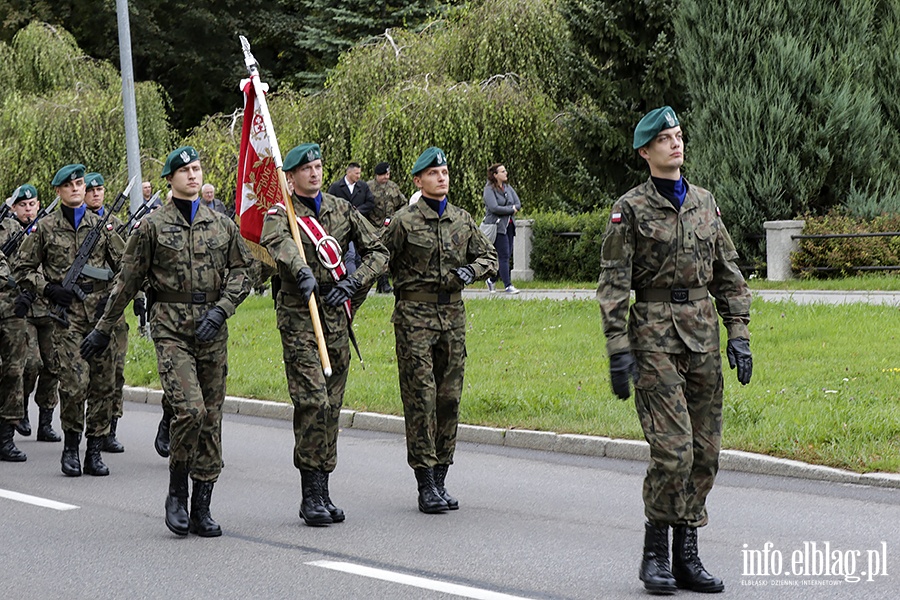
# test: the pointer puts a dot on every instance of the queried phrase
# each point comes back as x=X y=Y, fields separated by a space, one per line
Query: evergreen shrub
x=841 y=255
x=567 y=258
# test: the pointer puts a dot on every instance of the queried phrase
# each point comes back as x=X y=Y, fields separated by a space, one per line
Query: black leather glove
x=139 y=307
x=738 y=353
x=95 y=343
x=100 y=308
x=342 y=291
x=306 y=283
x=622 y=370
x=210 y=324
x=22 y=304
x=59 y=295
x=466 y=273
x=276 y=287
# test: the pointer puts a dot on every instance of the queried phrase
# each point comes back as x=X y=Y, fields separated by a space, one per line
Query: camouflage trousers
x=317 y=400
x=431 y=365
x=38 y=368
x=193 y=377
x=119 y=342
x=13 y=354
x=679 y=401
x=85 y=386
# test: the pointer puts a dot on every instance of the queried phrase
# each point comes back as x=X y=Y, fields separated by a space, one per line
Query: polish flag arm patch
x=275 y=207
x=615 y=217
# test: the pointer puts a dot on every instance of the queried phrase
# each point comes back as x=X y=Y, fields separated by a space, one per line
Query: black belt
x=674 y=295
x=186 y=297
x=439 y=298
x=289 y=287
x=93 y=288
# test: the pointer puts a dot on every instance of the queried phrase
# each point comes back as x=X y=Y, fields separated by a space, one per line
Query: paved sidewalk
x=585 y=445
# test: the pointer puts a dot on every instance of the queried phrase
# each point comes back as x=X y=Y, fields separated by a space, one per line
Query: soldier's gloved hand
x=59 y=295
x=622 y=370
x=95 y=343
x=738 y=352
x=342 y=291
x=276 y=287
x=98 y=314
x=139 y=307
x=22 y=304
x=466 y=273
x=210 y=324
x=306 y=283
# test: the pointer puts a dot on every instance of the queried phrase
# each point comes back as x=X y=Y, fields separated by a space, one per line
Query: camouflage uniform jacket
x=173 y=256
x=39 y=306
x=650 y=244
x=8 y=229
x=46 y=255
x=344 y=223
x=425 y=248
x=388 y=200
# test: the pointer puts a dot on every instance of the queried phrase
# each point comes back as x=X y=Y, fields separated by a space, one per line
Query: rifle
x=69 y=282
x=143 y=209
x=12 y=244
x=7 y=206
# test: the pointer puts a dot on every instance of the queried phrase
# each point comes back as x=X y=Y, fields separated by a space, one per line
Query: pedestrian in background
x=666 y=241
x=501 y=203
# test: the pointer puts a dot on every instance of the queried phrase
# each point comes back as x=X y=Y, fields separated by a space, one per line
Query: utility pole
x=132 y=143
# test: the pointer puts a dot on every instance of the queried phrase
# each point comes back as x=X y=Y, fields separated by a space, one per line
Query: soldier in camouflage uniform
x=388 y=200
x=197 y=267
x=13 y=345
x=666 y=241
x=436 y=251
x=94 y=195
x=317 y=399
x=44 y=259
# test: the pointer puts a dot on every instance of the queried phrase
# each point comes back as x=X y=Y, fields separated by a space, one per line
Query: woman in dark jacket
x=500 y=203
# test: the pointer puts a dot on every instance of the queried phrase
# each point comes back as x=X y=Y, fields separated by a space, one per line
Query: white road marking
x=37 y=501
x=419 y=582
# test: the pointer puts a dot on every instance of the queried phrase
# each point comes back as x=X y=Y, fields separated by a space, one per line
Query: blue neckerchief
x=79 y=214
x=183 y=205
x=672 y=190
x=194 y=206
x=99 y=212
x=437 y=206
x=313 y=204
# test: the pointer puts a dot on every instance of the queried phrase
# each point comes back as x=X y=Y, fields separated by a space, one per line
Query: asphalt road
x=531 y=525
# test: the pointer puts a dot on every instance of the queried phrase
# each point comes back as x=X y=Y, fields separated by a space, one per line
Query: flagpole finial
x=249 y=59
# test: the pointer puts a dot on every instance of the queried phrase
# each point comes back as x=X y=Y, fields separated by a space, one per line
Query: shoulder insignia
x=110 y=227
x=136 y=225
x=718 y=212
x=616 y=217
x=275 y=207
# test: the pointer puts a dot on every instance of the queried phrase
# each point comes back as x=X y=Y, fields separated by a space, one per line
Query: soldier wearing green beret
x=198 y=270
x=388 y=200
x=38 y=376
x=666 y=241
x=85 y=386
x=13 y=346
x=436 y=251
x=328 y=224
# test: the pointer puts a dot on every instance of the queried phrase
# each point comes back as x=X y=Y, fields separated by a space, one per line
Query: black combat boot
x=440 y=474
x=45 y=431
x=201 y=521
x=161 y=443
x=110 y=443
x=177 y=519
x=686 y=566
x=93 y=462
x=312 y=508
x=655 y=571
x=8 y=450
x=23 y=427
x=337 y=515
x=71 y=465
x=430 y=500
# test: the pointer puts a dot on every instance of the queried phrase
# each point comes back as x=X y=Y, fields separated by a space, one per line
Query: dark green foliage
x=841 y=255
x=556 y=257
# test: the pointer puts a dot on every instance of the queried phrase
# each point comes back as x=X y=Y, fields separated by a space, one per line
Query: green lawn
x=824 y=387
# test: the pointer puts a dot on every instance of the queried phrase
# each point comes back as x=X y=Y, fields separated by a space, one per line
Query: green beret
x=432 y=157
x=68 y=173
x=178 y=158
x=652 y=123
x=300 y=155
x=92 y=180
x=24 y=192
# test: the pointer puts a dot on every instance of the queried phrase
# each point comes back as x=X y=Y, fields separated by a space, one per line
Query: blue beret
x=432 y=157
x=92 y=180
x=24 y=192
x=300 y=155
x=68 y=173
x=653 y=122
x=178 y=158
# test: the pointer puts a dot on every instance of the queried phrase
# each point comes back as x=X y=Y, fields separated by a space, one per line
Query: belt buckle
x=443 y=298
x=679 y=295
x=198 y=297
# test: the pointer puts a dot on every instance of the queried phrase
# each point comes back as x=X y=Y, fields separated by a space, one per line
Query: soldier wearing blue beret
x=666 y=241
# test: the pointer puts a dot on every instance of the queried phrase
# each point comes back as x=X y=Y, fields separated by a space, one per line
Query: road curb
x=585 y=445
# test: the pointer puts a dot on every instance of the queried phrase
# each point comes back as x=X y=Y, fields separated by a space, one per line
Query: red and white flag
x=257 y=178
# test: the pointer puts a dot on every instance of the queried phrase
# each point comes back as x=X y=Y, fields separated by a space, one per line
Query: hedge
x=567 y=258
x=842 y=255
